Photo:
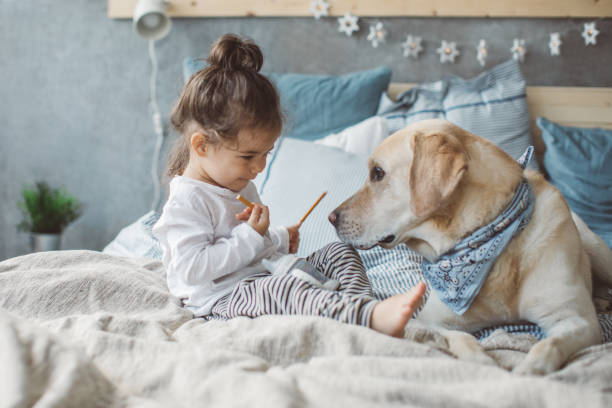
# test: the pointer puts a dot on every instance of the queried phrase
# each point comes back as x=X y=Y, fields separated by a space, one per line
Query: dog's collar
x=458 y=275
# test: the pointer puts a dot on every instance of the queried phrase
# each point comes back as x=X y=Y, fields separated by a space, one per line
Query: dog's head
x=412 y=176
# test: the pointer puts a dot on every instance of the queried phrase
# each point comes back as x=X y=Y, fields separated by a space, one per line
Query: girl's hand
x=259 y=219
x=294 y=238
x=244 y=215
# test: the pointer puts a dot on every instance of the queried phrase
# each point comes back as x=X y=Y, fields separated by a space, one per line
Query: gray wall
x=74 y=93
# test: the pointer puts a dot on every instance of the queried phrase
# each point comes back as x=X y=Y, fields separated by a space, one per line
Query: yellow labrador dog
x=456 y=199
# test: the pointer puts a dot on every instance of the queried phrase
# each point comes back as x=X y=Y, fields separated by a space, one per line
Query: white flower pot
x=45 y=242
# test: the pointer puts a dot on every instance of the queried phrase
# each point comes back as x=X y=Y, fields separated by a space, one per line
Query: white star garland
x=319 y=8
x=518 y=49
x=555 y=44
x=448 y=51
x=412 y=46
x=348 y=24
x=377 y=34
x=481 y=49
x=590 y=33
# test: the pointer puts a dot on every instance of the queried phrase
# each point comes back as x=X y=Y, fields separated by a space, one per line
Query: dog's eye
x=376 y=174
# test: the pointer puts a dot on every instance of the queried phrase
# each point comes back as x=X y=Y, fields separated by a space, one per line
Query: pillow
x=362 y=138
x=579 y=164
x=317 y=105
x=137 y=239
x=492 y=105
x=393 y=271
x=297 y=175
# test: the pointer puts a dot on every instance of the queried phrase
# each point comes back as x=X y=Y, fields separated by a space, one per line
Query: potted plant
x=46 y=213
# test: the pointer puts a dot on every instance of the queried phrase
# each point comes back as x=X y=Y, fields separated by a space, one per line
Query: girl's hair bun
x=232 y=53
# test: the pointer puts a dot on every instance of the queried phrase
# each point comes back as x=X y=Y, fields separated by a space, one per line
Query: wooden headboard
x=570 y=106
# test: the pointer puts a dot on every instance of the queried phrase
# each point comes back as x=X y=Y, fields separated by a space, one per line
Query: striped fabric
x=265 y=294
x=394 y=271
x=493 y=105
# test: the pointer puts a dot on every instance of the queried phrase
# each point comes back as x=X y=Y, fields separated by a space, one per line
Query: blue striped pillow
x=493 y=105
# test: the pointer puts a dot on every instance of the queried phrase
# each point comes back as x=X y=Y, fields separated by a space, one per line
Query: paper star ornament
x=412 y=46
x=377 y=34
x=319 y=8
x=518 y=49
x=347 y=24
x=555 y=44
x=590 y=33
x=481 y=50
x=448 y=51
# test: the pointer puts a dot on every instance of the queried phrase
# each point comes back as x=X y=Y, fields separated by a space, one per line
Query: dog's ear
x=438 y=166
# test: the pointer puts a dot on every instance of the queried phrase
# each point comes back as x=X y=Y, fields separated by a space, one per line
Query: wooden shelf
x=382 y=8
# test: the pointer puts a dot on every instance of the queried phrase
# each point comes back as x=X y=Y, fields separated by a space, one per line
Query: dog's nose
x=333 y=218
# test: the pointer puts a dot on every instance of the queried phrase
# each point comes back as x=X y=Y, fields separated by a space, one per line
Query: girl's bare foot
x=391 y=315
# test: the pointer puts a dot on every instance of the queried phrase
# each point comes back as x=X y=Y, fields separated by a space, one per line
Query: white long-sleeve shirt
x=206 y=251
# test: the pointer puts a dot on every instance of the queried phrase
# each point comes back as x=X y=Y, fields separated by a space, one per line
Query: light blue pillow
x=297 y=175
x=137 y=240
x=492 y=105
x=579 y=164
x=317 y=105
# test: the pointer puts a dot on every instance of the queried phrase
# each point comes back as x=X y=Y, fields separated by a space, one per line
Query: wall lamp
x=151 y=20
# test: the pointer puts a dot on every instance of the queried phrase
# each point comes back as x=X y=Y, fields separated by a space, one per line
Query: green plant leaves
x=47 y=210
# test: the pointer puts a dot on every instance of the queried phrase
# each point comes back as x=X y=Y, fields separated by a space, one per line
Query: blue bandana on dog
x=458 y=275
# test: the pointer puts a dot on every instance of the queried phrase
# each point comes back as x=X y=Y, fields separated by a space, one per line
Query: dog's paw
x=539 y=367
x=465 y=347
x=542 y=359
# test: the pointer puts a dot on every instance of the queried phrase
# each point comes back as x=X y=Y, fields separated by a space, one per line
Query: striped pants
x=267 y=294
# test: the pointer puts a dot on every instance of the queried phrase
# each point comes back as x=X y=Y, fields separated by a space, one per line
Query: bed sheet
x=82 y=328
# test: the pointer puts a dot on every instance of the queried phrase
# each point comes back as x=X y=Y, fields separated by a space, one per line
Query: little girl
x=229 y=118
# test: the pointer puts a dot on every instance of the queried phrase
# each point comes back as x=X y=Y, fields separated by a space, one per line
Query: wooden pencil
x=312 y=208
x=244 y=201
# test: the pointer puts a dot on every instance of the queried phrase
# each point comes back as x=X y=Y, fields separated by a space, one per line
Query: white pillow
x=362 y=138
x=136 y=240
x=297 y=175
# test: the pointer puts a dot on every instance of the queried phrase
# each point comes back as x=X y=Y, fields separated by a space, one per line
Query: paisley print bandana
x=458 y=275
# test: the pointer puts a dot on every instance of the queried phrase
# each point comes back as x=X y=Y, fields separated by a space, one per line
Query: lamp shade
x=150 y=19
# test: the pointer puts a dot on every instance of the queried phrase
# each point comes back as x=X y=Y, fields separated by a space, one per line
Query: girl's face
x=233 y=165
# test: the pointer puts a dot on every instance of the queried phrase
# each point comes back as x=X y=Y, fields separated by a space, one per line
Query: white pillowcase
x=297 y=175
x=362 y=138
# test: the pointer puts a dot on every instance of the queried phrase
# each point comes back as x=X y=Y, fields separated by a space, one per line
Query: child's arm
x=197 y=255
x=294 y=238
x=293 y=231
x=280 y=236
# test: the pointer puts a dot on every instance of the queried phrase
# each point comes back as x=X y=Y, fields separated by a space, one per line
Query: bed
x=87 y=328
